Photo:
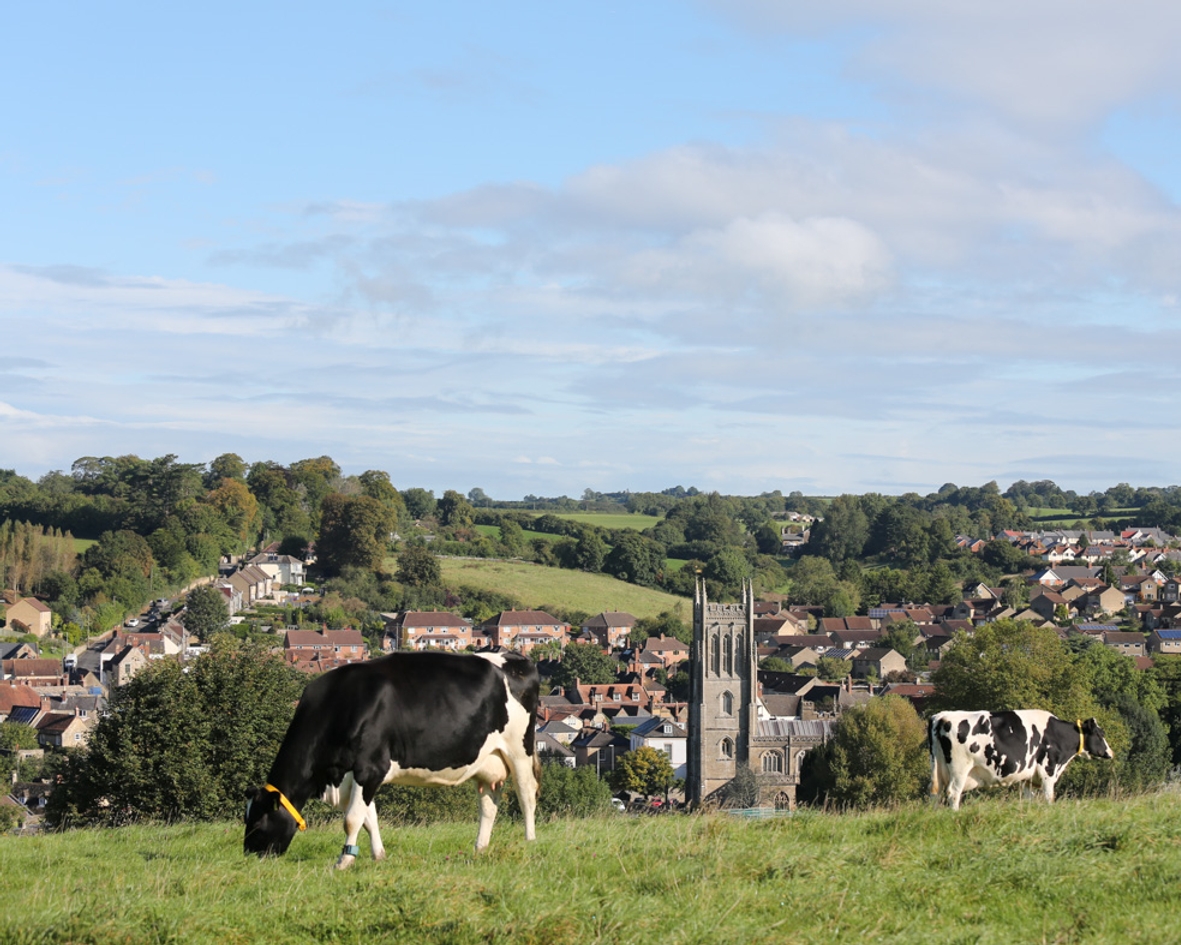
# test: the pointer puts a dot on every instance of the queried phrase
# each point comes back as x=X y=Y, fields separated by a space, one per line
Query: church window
x=772 y=763
x=727 y=703
x=715 y=646
x=728 y=655
x=727 y=748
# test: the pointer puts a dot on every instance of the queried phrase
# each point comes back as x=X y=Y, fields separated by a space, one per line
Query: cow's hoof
x=379 y=855
x=346 y=860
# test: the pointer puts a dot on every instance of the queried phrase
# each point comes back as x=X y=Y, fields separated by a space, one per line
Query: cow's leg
x=955 y=790
x=374 y=832
x=527 y=777
x=1048 y=790
x=489 y=805
x=355 y=817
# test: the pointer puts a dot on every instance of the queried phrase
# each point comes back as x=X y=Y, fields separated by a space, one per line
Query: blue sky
x=540 y=247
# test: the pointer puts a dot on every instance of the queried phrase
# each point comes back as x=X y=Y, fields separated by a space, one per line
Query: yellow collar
x=303 y=824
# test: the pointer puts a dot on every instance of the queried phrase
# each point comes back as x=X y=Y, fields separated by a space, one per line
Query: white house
x=667 y=736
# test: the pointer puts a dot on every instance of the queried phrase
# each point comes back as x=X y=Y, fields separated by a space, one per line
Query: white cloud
x=1050 y=66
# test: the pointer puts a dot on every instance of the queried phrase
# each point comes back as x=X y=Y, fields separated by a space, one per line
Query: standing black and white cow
x=408 y=718
x=1027 y=746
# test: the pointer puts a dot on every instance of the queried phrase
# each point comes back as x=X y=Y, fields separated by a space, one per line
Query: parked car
x=133 y=622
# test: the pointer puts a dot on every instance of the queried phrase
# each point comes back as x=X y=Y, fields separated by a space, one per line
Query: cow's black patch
x=1011 y=741
x=982 y=726
x=974 y=747
x=961 y=731
x=939 y=733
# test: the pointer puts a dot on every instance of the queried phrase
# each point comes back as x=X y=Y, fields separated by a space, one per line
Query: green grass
x=1000 y=871
x=535 y=585
x=81 y=544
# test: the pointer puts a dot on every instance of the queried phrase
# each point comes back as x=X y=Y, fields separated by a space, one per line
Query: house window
x=727 y=749
x=617 y=697
x=668 y=730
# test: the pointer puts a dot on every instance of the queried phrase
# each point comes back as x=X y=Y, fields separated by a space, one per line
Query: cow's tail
x=938 y=784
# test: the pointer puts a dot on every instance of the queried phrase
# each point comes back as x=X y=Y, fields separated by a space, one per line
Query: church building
x=728 y=727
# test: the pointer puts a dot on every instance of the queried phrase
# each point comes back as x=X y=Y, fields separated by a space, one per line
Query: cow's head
x=269 y=827
x=1094 y=742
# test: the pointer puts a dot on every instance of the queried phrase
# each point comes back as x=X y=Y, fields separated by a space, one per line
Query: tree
x=645 y=771
x=180 y=744
x=666 y=622
x=420 y=503
x=1011 y=664
x=237 y=507
x=843 y=531
x=225 y=466
x=354 y=531
x=418 y=567
x=455 y=511
x=832 y=669
x=586 y=663
x=635 y=559
x=900 y=636
x=205 y=612
x=1148 y=758
x=877 y=755
x=512 y=537
x=376 y=484
x=726 y=572
x=590 y=551
x=743 y=790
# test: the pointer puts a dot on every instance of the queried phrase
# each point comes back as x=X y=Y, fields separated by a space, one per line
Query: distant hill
x=535 y=586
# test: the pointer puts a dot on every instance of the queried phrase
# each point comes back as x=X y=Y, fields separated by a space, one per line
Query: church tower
x=722 y=701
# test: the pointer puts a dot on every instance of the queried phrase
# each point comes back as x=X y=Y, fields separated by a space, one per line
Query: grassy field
x=1065 y=518
x=535 y=585
x=1000 y=871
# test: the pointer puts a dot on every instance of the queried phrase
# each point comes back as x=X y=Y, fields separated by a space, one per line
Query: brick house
x=341 y=646
x=522 y=630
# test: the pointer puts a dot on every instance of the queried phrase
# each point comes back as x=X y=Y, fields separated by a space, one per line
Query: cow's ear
x=252 y=794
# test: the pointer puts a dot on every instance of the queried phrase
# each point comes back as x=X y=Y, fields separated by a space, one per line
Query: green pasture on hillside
x=999 y=872
x=81 y=544
x=535 y=585
x=1065 y=518
x=493 y=532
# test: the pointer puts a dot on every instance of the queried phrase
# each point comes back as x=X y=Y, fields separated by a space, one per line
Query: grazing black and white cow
x=408 y=718
x=1028 y=747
